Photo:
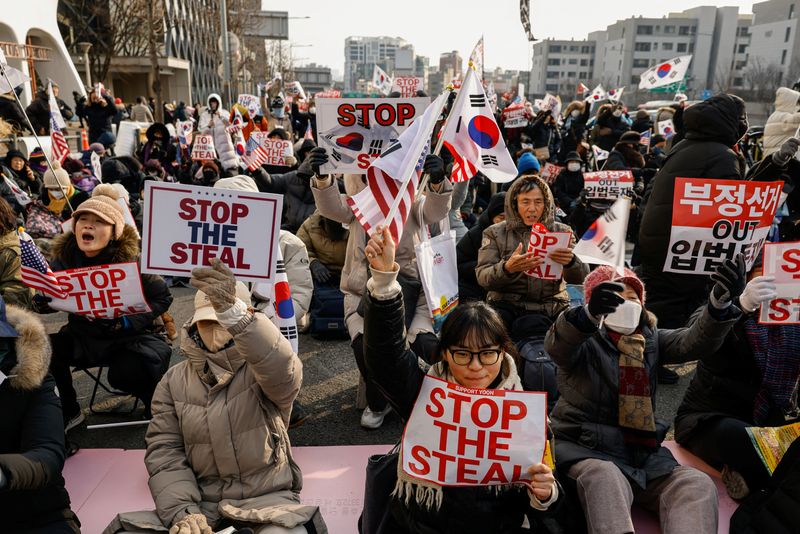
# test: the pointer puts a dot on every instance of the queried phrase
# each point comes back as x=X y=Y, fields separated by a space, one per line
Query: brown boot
x=169 y=326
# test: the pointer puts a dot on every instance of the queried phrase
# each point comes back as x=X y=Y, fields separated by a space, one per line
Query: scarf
x=636 y=417
x=429 y=494
x=56 y=205
x=775 y=351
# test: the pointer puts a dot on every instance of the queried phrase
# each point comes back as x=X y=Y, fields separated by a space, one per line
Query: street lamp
x=84 y=49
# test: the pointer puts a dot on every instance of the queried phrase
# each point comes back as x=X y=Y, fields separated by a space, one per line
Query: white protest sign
x=407 y=86
x=251 y=103
x=666 y=128
x=185 y=226
x=102 y=292
x=458 y=436
x=782 y=260
x=355 y=131
x=515 y=116
x=542 y=244
x=203 y=148
x=550 y=172
x=714 y=220
x=607 y=184
x=277 y=149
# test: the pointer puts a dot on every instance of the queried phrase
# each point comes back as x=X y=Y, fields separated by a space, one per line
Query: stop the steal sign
x=458 y=436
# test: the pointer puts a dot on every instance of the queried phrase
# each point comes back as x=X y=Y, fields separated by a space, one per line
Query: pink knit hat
x=606 y=273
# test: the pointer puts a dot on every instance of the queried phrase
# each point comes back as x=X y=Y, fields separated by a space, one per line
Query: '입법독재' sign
x=608 y=185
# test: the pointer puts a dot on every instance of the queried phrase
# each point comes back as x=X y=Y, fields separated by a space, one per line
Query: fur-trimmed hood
x=32 y=349
x=513 y=220
x=124 y=250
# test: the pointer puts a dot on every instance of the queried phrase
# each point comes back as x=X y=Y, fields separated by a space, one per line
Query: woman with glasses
x=473 y=353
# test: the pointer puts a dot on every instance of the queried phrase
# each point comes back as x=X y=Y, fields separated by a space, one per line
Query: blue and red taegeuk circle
x=663 y=70
x=483 y=131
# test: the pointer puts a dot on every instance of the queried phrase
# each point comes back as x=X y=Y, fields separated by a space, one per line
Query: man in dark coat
x=98 y=114
x=32 y=493
x=39 y=111
x=568 y=184
x=11 y=112
x=712 y=128
x=469 y=245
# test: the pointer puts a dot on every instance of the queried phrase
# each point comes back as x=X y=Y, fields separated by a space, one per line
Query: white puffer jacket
x=784 y=121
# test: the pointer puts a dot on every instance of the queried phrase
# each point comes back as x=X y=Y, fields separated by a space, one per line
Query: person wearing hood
x=12 y=289
x=180 y=113
x=158 y=147
x=132 y=347
x=39 y=110
x=468 y=246
x=575 y=118
x=609 y=127
x=503 y=258
x=627 y=156
x=568 y=184
x=784 y=121
x=141 y=112
x=428 y=208
x=58 y=189
x=33 y=496
x=474 y=352
x=236 y=386
x=125 y=170
x=277 y=114
x=214 y=121
x=98 y=113
x=658 y=153
x=17 y=168
x=642 y=122
x=607 y=438
x=713 y=127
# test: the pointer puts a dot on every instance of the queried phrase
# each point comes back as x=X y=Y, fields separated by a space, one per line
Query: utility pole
x=155 y=71
x=226 y=53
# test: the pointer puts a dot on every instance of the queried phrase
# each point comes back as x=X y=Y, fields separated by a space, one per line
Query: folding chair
x=98 y=383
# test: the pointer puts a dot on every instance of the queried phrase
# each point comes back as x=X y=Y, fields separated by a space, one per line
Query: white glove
x=759 y=290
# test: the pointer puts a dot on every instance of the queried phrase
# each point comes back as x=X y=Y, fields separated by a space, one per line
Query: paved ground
x=328 y=393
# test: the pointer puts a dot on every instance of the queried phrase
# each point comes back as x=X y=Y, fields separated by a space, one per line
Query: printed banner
x=355 y=131
x=277 y=150
x=550 y=172
x=102 y=292
x=714 y=220
x=515 y=116
x=609 y=185
x=666 y=128
x=542 y=244
x=407 y=86
x=782 y=260
x=458 y=436
x=203 y=148
x=185 y=226
x=251 y=103
x=771 y=443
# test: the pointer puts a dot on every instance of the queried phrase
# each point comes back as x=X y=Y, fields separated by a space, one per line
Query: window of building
x=573 y=48
x=742 y=48
x=552 y=74
x=739 y=65
x=788 y=34
x=681 y=47
x=683 y=30
x=691 y=48
x=584 y=62
x=783 y=57
x=642 y=47
x=584 y=50
x=591 y=63
x=553 y=87
x=666 y=46
x=573 y=61
x=655 y=47
x=644 y=30
x=635 y=79
x=641 y=63
x=555 y=48
x=742 y=31
x=553 y=61
x=791 y=10
x=584 y=74
x=669 y=29
x=571 y=75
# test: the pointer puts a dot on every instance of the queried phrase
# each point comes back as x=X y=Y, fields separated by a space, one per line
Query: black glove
x=605 y=299
x=41 y=304
x=731 y=279
x=310 y=166
x=320 y=273
x=434 y=168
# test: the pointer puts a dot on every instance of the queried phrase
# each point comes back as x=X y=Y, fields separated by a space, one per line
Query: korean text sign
x=542 y=244
x=608 y=185
x=461 y=437
x=102 y=292
x=714 y=220
x=782 y=260
x=186 y=226
x=355 y=131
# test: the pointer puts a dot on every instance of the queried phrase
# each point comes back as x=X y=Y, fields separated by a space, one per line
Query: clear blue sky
x=436 y=26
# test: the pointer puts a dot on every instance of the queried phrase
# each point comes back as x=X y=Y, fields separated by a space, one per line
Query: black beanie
x=497 y=205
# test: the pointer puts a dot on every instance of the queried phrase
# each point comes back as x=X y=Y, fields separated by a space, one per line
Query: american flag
x=309 y=133
x=35 y=271
x=254 y=155
x=60 y=149
x=644 y=139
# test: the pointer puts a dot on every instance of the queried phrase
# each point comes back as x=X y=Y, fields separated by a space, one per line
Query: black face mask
x=743 y=127
x=334 y=230
x=209 y=176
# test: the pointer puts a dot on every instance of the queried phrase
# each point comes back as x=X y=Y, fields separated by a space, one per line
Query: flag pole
x=33 y=130
x=416 y=148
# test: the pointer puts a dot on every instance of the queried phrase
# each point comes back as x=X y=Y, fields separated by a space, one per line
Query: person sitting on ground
x=60 y=196
x=607 y=437
x=503 y=258
x=326 y=243
x=11 y=287
x=568 y=184
x=751 y=380
x=17 y=168
x=475 y=352
x=33 y=498
x=132 y=347
x=469 y=245
x=236 y=386
x=158 y=146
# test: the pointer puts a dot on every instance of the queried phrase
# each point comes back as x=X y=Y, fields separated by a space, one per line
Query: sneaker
x=667 y=376
x=373 y=420
x=73 y=422
x=734 y=484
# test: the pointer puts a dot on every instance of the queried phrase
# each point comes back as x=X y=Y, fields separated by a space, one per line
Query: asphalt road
x=330 y=379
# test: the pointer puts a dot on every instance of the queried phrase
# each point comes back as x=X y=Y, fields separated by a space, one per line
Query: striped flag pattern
x=254 y=155
x=644 y=139
x=60 y=149
x=35 y=271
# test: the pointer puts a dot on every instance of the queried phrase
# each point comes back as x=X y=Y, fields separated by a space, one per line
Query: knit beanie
x=528 y=164
x=57 y=178
x=630 y=137
x=103 y=204
x=497 y=204
x=606 y=273
x=240 y=182
x=37 y=160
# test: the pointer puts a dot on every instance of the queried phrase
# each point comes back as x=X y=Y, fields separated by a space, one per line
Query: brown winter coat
x=498 y=244
x=320 y=247
x=11 y=286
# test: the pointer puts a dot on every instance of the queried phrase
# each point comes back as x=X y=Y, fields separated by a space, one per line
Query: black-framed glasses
x=485 y=356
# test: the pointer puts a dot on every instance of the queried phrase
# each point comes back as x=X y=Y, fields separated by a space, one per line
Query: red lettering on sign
x=792 y=256
x=421 y=455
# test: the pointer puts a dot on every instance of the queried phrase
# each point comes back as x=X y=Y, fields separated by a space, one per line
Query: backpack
x=41 y=222
x=537 y=370
x=774 y=509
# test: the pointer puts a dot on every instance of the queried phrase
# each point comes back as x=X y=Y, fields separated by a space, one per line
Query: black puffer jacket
x=39 y=112
x=712 y=128
x=32 y=437
x=567 y=188
x=585 y=420
x=394 y=369
x=298 y=199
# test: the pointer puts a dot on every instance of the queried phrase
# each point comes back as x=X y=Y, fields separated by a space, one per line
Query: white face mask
x=56 y=193
x=312 y=111
x=573 y=167
x=625 y=318
x=576 y=113
x=618 y=113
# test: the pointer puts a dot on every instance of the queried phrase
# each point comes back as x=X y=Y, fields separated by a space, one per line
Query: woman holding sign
x=131 y=346
x=473 y=354
x=608 y=441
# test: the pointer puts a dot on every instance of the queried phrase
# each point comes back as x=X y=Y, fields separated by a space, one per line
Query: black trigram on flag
x=375 y=147
x=336 y=155
x=477 y=101
x=280 y=267
x=488 y=159
x=394 y=146
x=609 y=216
x=605 y=244
x=289 y=332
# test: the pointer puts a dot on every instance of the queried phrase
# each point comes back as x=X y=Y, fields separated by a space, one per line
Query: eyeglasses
x=485 y=356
